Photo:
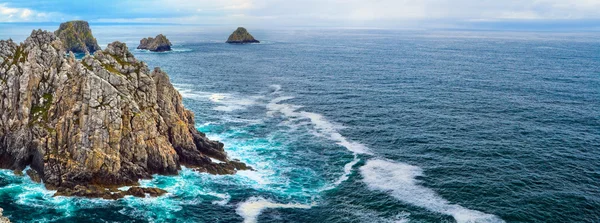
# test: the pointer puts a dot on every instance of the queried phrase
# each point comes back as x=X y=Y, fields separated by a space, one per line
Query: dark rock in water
x=93 y=191
x=241 y=36
x=77 y=37
x=106 y=120
x=18 y=173
x=141 y=192
x=158 y=44
x=35 y=177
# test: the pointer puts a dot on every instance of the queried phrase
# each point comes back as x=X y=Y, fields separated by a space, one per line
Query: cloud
x=16 y=14
x=303 y=12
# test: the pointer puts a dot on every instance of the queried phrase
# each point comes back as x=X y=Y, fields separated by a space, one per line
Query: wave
x=398 y=180
x=323 y=128
x=226 y=102
x=251 y=208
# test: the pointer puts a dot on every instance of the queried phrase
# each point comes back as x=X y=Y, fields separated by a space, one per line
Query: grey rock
x=158 y=44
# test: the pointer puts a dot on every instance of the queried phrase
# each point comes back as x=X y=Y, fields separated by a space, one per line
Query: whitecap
x=399 y=181
x=251 y=208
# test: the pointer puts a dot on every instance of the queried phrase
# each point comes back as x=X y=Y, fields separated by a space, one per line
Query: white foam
x=398 y=180
x=224 y=198
x=215 y=160
x=251 y=208
x=324 y=127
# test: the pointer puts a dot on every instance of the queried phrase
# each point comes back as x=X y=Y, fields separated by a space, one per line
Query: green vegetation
x=41 y=111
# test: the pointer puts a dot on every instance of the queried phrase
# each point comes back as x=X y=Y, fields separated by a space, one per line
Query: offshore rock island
x=241 y=36
x=77 y=37
x=87 y=127
x=158 y=44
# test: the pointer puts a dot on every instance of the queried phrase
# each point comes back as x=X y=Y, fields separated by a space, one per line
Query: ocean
x=366 y=125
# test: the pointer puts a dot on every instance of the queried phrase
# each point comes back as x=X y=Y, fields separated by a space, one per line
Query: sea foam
x=251 y=208
x=398 y=180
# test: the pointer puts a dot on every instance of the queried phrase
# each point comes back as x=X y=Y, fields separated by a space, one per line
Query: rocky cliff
x=242 y=36
x=158 y=44
x=77 y=37
x=105 y=121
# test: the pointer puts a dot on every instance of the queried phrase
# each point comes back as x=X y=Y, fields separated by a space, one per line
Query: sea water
x=366 y=125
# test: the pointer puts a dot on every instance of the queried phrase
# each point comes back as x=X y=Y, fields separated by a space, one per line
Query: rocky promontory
x=241 y=36
x=87 y=126
x=77 y=37
x=158 y=44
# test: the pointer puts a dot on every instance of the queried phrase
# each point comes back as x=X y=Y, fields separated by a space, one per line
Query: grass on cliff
x=41 y=111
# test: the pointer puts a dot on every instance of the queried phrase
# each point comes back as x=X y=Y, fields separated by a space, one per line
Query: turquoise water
x=347 y=125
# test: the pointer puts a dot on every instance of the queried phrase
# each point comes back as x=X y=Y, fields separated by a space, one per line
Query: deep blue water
x=347 y=125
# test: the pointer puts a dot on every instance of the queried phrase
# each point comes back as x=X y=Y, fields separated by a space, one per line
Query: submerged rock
x=2 y=218
x=158 y=44
x=104 y=121
x=241 y=36
x=77 y=37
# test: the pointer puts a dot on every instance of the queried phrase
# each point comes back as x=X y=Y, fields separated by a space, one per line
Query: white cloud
x=12 y=14
x=357 y=12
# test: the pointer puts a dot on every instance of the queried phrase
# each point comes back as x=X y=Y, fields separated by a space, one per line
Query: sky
x=313 y=13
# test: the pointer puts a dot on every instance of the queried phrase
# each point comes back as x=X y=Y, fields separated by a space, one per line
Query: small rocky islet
x=87 y=127
x=241 y=36
x=76 y=37
x=158 y=44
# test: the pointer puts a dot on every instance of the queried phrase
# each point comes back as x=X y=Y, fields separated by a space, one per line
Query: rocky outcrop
x=93 y=191
x=241 y=36
x=2 y=218
x=77 y=37
x=158 y=44
x=104 y=121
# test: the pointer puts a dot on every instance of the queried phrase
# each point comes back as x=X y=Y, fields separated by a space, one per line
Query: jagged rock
x=105 y=121
x=158 y=44
x=241 y=36
x=2 y=218
x=77 y=37
x=93 y=191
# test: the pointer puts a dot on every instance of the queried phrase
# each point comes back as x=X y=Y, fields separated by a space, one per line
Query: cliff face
x=158 y=44
x=106 y=120
x=241 y=35
x=77 y=37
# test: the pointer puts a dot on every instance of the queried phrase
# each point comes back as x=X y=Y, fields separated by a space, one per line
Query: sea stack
x=241 y=36
x=158 y=44
x=88 y=126
x=77 y=37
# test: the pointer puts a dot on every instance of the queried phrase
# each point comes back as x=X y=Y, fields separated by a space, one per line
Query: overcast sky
x=369 y=13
